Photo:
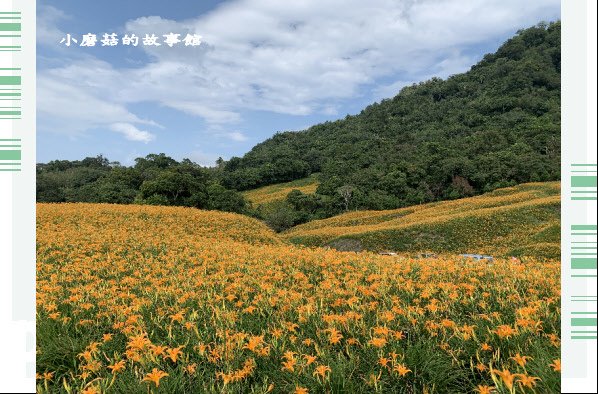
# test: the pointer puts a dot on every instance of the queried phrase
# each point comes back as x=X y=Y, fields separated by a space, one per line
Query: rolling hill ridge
x=518 y=221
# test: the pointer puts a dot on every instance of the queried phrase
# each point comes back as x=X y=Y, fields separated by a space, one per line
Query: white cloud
x=132 y=133
x=390 y=90
x=47 y=19
x=203 y=158
x=287 y=57
x=236 y=136
x=211 y=115
x=220 y=131
x=82 y=96
x=76 y=109
x=449 y=66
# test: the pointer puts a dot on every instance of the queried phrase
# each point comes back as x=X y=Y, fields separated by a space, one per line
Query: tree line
x=156 y=179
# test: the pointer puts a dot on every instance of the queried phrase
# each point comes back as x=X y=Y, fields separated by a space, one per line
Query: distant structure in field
x=477 y=257
x=387 y=253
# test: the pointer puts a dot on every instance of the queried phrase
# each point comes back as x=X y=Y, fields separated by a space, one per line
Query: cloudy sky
x=263 y=66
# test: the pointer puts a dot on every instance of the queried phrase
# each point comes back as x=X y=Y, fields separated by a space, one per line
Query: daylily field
x=141 y=299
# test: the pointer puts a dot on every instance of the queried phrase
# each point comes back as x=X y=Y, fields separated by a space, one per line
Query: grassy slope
x=146 y=221
x=521 y=220
x=279 y=191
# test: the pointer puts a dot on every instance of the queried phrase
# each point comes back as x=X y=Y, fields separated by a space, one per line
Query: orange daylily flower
x=556 y=365
x=507 y=377
x=321 y=371
x=377 y=342
x=173 y=354
x=116 y=367
x=527 y=381
x=155 y=376
x=309 y=359
x=521 y=360
x=401 y=369
x=483 y=389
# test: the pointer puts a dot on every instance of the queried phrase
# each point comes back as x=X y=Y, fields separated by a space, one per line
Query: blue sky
x=263 y=66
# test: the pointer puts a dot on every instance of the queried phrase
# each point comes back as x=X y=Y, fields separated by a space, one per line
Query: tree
x=279 y=216
x=156 y=179
x=178 y=188
x=346 y=193
x=50 y=187
x=223 y=199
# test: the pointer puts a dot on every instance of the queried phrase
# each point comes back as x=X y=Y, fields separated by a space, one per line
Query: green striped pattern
x=10 y=155
x=10 y=93
x=583 y=182
x=583 y=250
x=584 y=323
x=10 y=31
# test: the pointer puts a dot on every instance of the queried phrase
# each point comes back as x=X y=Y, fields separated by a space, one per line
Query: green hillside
x=278 y=192
x=494 y=126
x=517 y=221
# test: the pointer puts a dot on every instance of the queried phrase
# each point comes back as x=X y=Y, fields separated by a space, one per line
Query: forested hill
x=496 y=125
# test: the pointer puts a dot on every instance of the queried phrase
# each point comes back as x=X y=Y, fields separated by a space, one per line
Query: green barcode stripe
x=10 y=27
x=10 y=80
x=583 y=263
x=584 y=322
x=583 y=181
x=10 y=154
